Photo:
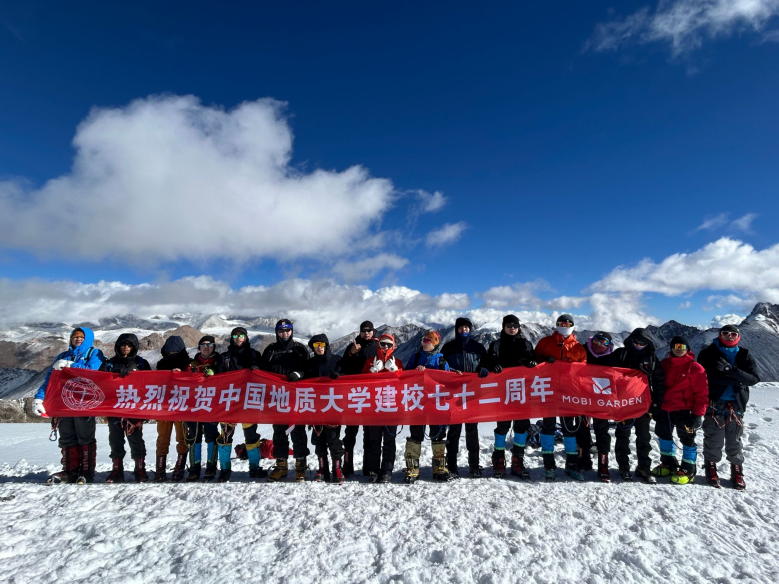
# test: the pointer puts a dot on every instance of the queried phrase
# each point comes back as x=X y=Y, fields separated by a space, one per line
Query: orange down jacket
x=560 y=348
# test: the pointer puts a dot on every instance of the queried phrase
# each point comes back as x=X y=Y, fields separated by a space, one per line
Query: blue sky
x=566 y=141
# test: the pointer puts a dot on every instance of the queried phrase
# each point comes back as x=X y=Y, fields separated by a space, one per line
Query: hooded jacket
x=239 y=358
x=321 y=365
x=567 y=349
x=124 y=365
x=284 y=357
x=84 y=356
x=174 y=354
x=508 y=351
x=686 y=386
x=645 y=360
x=463 y=354
x=743 y=375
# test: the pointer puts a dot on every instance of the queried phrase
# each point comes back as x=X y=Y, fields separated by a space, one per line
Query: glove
x=59 y=364
x=294 y=376
x=550 y=360
x=208 y=372
x=255 y=368
x=483 y=373
x=390 y=366
x=334 y=375
x=532 y=364
x=696 y=422
x=497 y=369
x=377 y=366
x=724 y=366
x=37 y=406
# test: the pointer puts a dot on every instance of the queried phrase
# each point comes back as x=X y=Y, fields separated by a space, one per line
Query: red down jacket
x=686 y=385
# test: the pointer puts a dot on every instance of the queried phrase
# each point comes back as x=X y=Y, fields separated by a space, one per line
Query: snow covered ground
x=481 y=531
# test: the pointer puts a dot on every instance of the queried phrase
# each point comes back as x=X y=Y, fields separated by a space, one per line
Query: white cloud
x=447 y=234
x=713 y=222
x=744 y=223
x=167 y=178
x=725 y=265
x=685 y=305
x=684 y=24
x=622 y=312
x=741 y=224
x=731 y=319
x=521 y=294
x=431 y=202
x=362 y=270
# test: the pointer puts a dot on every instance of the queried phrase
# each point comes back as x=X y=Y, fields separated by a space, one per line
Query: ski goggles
x=565 y=323
x=239 y=336
x=428 y=340
x=729 y=334
x=386 y=344
x=318 y=344
x=600 y=340
x=679 y=346
x=207 y=344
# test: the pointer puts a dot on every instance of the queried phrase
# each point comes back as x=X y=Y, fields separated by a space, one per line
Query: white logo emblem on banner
x=601 y=385
x=82 y=394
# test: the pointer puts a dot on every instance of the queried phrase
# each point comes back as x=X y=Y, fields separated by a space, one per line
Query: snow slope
x=482 y=530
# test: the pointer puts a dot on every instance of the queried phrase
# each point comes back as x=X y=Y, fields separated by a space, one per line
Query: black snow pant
x=681 y=420
x=250 y=435
x=471 y=443
x=437 y=433
x=325 y=438
x=197 y=430
x=643 y=443
x=584 y=437
x=118 y=429
x=76 y=430
x=602 y=436
x=380 y=454
x=521 y=427
x=281 y=442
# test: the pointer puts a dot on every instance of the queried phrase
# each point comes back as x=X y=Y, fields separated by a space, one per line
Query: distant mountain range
x=28 y=350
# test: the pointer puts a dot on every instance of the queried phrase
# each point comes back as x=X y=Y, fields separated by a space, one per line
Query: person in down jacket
x=76 y=433
x=684 y=404
x=124 y=363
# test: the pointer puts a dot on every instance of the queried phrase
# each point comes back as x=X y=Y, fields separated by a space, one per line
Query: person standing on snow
x=463 y=354
x=365 y=346
x=287 y=357
x=76 y=433
x=561 y=345
x=427 y=357
x=239 y=356
x=176 y=359
x=380 y=460
x=510 y=350
x=684 y=404
x=730 y=371
x=639 y=354
x=324 y=437
x=600 y=352
x=207 y=362
x=124 y=363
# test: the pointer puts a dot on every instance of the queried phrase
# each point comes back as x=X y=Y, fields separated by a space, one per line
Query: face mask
x=565 y=331
x=464 y=335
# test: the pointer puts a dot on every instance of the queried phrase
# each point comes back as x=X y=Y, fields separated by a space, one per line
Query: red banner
x=401 y=398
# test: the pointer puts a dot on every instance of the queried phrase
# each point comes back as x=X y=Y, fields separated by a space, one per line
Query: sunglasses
x=386 y=344
x=366 y=330
x=511 y=325
x=604 y=341
x=206 y=344
x=318 y=344
x=126 y=344
x=640 y=343
x=729 y=334
x=239 y=336
x=678 y=346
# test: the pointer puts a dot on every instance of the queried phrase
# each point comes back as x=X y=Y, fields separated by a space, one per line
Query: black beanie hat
x=207 y=339
x=731 y=328
x=367 y=325
x=679 y=339
x=565 y=317
x=510 y=319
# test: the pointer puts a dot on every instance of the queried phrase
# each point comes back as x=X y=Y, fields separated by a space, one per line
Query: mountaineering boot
x=384 y=476
x=737 y=477
x=625 y=474
x=572 y=464
x=549 y=475
x=300 y=469
x=254 y=456
x=499 y=463
x=664 y=470
x=412 y=455
x=180 y=467
x=88 y=460
x=338 y=474
x=518 y=468
x=603 y=467
x=682 y=477
x=159 y=473
x=194 y=472
x=476 y=471
x=323 y=472
x=645 y=474
x=574 y=474
x=278 y=471
x=711 y=474
x=140 y=471
x=451 y=465
x=117 y=472
x=224 y=453
x=585 y=459
x=212 y=455
x=440 y=472
x=373 y=477
x=348 y=463
x=71 y=461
